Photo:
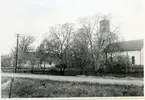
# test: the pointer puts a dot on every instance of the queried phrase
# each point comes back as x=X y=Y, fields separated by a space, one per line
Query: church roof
x=134 y=45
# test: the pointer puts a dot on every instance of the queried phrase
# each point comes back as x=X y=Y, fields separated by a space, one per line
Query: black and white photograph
x=72 y=48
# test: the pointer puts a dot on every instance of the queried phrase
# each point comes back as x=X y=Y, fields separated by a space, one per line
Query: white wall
x=142 y=56
x=139 y=56
x=48 y=65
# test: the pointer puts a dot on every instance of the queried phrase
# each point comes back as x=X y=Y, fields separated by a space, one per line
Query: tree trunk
x=63 y=70
x=44 y=68
x=63 y=67
x=41 y=69
x=32 y=69
x=81 y=70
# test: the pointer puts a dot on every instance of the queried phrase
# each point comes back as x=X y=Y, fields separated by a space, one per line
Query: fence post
x=11 y=87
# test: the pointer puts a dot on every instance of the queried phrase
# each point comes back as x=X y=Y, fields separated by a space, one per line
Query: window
x=133 y=60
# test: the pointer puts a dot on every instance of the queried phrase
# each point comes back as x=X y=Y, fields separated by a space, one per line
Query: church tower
x=104 y=25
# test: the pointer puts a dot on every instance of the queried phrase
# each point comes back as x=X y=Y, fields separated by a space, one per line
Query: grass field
x=48 y=88
x=4 y=79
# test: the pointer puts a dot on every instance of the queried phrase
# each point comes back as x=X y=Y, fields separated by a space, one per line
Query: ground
x=30 y=85
x=101 y=80
x=26 y=87
x=5 y=79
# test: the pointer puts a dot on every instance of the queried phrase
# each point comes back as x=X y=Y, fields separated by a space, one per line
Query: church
x=134 y=49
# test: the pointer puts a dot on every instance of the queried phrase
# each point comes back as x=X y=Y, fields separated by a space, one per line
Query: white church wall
x=142 y=56
x=139 y=56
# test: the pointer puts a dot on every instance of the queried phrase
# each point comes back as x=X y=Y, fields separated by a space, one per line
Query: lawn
x=4 y=79
x=48 y=88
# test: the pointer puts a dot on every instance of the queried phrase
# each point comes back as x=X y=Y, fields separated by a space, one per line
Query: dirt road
x=77 y=79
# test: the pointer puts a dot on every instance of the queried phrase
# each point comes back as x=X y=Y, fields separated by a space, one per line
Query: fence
x=135 y=72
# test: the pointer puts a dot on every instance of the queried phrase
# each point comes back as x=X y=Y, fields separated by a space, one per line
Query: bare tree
x=58 y=42
x=80 y=50
x=6 y=60
x=25 y=43
x=98 y=40
x=42 y=56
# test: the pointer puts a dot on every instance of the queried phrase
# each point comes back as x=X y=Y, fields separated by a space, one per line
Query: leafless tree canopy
x=97 y=39
x=82 y=45
x=25 y=43
x=71 y=46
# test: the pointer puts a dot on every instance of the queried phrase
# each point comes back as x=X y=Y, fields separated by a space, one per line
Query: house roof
x=36 y=54
x=45 y=56
x=33 y=53
x=134 y=45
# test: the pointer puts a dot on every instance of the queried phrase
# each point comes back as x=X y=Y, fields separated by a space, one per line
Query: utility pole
x=17 y=52
x=15 y=66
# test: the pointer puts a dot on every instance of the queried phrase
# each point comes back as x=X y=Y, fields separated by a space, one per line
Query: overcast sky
x=34 y=17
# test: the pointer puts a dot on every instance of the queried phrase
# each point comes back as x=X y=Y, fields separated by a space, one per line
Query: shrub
x=137 y=68
x=53 y=69
x=121 y=64
x=6 y=61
